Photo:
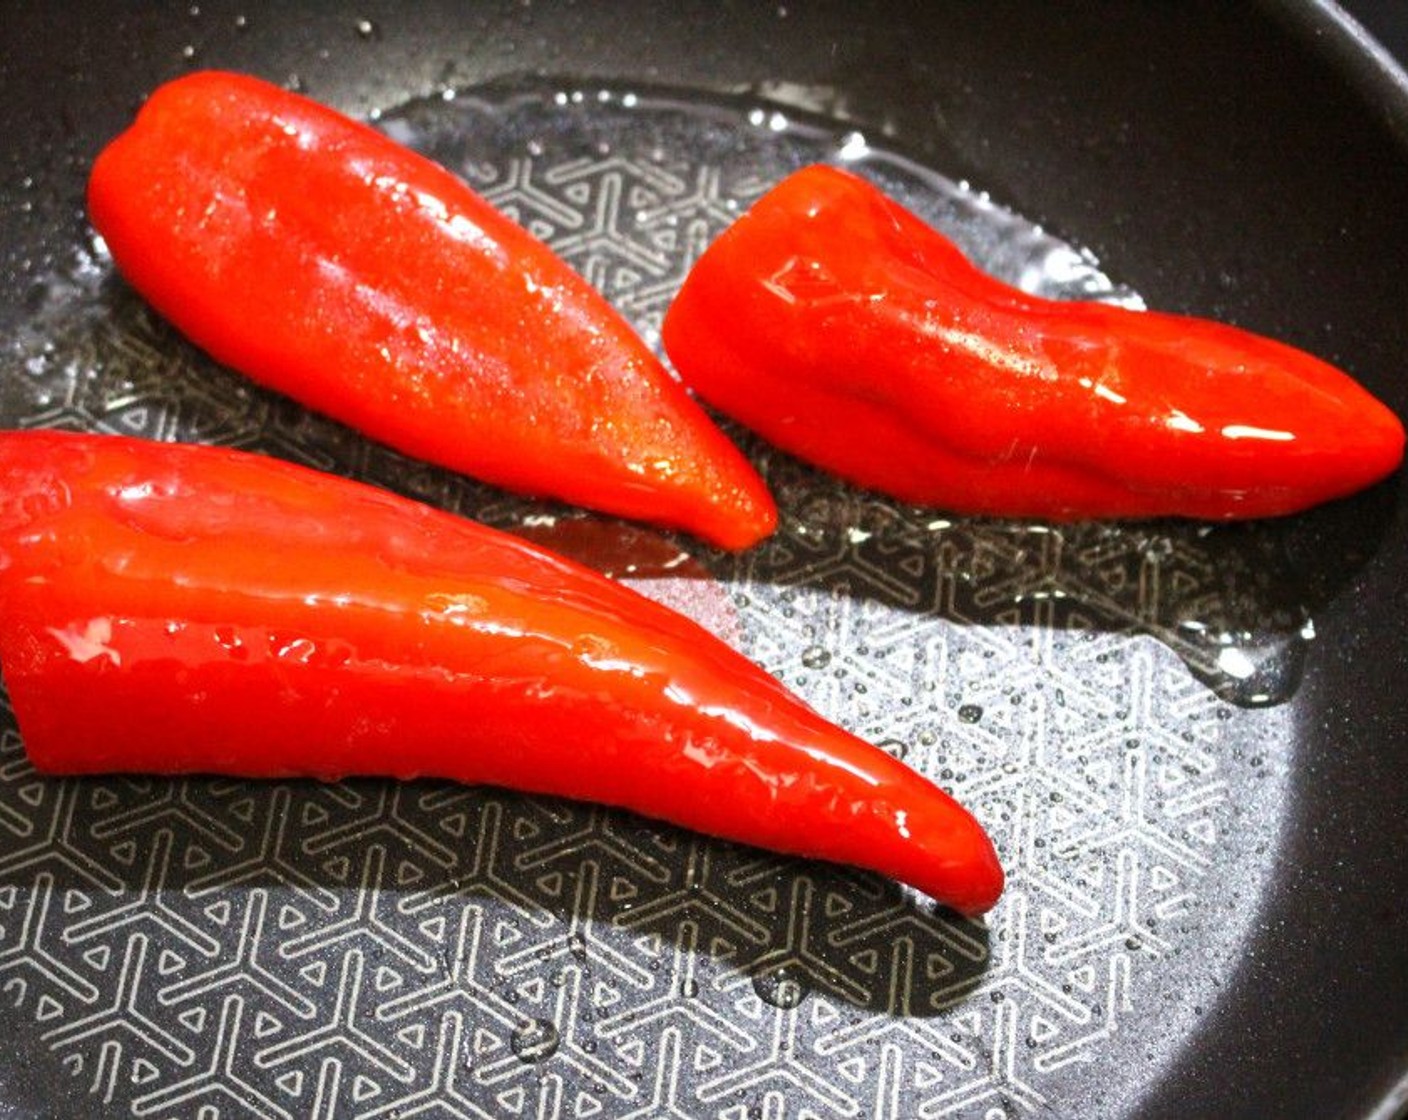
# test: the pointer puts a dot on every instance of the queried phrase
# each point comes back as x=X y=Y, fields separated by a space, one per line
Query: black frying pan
x=1237 y=945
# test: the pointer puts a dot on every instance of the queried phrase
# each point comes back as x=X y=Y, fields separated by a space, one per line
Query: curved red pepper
x=845 y=330
x=168 y=608
x=320 y=258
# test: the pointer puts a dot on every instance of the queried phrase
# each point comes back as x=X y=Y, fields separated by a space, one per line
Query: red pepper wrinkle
x=318 y=257
x=844 y=329
x=175 y=609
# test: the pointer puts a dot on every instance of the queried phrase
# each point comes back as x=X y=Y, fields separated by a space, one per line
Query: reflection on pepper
x=845 y=330
x=176 y=609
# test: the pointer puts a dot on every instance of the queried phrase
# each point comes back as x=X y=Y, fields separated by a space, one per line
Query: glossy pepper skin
x=845 y=330
x=322 y=259
x=169 y=609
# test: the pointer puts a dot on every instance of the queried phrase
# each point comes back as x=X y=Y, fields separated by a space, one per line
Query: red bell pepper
x=845 y=330
x=170 y=609
x=322 y=259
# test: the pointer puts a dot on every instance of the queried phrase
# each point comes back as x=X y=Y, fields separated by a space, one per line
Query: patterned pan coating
x=1116 y=703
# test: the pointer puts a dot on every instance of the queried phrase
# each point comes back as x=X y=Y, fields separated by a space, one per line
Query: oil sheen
x=1118 y=703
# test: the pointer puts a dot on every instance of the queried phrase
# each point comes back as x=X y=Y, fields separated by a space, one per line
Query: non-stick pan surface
x=1188 y=742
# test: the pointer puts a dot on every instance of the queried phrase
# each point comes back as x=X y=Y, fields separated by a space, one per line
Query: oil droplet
x=815 y=657
x=1252 y=670
x=782 y=987
x=300 y=650
x=228 y=639
x=534 y=1041
x=895 y=747
x=970 y=713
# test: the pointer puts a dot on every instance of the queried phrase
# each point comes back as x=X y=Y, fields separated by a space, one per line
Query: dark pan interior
x=1247 y=162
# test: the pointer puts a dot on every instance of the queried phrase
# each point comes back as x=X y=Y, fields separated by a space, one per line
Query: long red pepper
x=847 y=331
x=168 y=608
x=320 y=258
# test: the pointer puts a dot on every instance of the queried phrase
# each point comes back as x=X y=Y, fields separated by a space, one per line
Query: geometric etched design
x=216 y=948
